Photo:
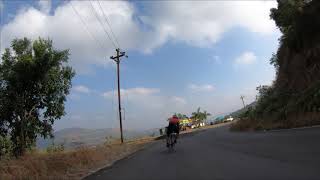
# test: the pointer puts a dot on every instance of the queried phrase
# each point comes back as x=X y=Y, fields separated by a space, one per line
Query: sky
x=181 y=55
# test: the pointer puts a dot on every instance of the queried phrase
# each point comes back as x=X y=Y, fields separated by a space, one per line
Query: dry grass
x=73 y=164
x=292 y=121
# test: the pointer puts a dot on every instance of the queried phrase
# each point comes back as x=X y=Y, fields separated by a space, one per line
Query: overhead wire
x=104 y=29
x=101 y=45
x=85 y=26
x=108 y=22
x=114 y=41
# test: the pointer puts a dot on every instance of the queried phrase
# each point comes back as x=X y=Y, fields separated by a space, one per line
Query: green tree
x=285 y=16
x=199 y=116
x=34 y=82
x=181 y=116
x=196 y=115
x=5 y=146
x=205 y=115
x=297 y=23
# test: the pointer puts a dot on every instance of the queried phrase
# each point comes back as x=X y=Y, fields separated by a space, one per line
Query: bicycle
x=172 y=139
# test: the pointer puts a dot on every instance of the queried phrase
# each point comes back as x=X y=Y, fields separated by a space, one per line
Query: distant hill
x=75 y=137
x=240 y=111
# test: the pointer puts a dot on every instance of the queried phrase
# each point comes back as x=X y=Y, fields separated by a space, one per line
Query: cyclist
x=173 y=127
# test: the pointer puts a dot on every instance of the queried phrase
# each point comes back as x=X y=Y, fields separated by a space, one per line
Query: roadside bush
x=243 y=124
x=55 y=148
x=5 y=147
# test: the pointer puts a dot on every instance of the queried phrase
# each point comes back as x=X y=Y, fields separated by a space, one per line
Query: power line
x=108 y=22
x=96 y=15
x=85 y=26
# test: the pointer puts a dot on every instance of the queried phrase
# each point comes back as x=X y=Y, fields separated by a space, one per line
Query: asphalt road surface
x=219 y=154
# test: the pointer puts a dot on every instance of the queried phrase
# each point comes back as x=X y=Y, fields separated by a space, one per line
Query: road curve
x=219 y=154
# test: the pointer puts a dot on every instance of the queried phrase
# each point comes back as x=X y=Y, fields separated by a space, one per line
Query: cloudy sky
x=182 y=55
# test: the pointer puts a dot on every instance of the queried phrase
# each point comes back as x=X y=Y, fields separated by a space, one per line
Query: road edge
x=109 y=165
x=290 y=129
x=148 y=144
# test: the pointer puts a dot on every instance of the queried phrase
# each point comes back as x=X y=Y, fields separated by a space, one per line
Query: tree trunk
x=20 y=145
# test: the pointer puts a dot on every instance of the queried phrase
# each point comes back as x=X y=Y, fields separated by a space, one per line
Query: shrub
x=55 y=148
x=5 y=147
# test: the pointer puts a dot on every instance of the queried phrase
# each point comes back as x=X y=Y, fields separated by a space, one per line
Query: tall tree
x=196 y=115
x=199 y=116
x=34 y=82
x=181 y=116
x=205 y=115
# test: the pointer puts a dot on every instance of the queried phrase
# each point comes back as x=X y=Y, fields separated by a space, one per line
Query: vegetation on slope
x=294 y=98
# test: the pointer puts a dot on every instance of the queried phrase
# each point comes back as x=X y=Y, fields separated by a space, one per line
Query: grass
x=73 y=164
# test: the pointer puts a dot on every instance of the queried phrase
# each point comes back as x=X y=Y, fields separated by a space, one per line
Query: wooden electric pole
x=242 y=97
x=117 y=60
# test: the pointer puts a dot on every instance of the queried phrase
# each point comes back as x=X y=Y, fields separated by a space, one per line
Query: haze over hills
x=76 y=137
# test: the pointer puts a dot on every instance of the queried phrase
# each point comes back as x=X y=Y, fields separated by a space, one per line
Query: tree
x=298 y=21
x=196 y=115
x=181 y=116
x=285 y=16
x=205 y=115
x=199 y=116
x=34 y=82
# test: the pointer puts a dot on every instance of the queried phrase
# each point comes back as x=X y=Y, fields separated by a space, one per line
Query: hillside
x=243 y=110
x=294 y=98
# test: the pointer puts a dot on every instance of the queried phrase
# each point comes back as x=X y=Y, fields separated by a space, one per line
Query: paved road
x=220 y=154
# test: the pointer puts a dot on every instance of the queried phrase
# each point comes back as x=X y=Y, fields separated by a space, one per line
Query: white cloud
x=45 y=5
x=246 y=58
x=200 y=23
x=82 y=89
x=203 y=23
x=216 y=59
x=179 y=100
x=73 y=96
x=132 y=92
x=201 y=88
x=147 y=107
x=67 y=31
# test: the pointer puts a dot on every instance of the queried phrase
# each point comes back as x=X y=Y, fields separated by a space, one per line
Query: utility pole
x=117 y=60
x=242 y=97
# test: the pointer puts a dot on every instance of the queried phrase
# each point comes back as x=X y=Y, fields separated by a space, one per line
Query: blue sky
x=182 y=55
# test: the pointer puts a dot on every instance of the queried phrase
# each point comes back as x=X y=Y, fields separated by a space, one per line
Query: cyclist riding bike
x=173 y=127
